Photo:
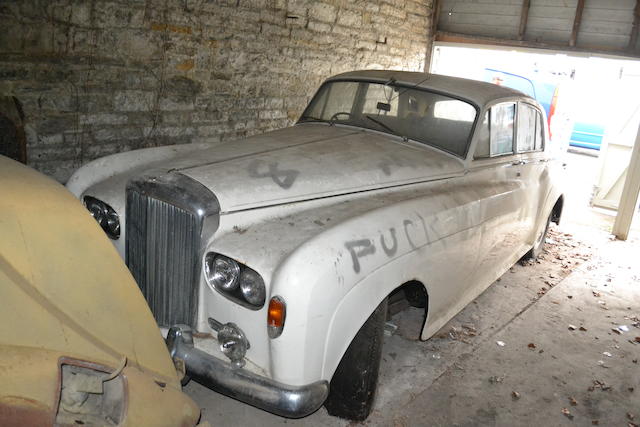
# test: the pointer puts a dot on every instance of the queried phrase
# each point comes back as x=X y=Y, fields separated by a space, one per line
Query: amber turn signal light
x=276 y=317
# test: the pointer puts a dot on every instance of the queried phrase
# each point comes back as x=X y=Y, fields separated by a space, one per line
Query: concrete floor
x=463 y=377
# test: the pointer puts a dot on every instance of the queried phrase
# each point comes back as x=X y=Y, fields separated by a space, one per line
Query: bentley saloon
x=268 y=262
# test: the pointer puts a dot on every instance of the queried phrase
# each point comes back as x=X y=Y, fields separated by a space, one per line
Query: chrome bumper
x=258 y=391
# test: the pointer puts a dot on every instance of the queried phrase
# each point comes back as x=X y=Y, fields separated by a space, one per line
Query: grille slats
x=162 y=243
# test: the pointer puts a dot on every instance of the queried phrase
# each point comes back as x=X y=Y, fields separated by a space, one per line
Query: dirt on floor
x=569 y=357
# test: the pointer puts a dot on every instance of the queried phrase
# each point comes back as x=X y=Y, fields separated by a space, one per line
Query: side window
x=527 y=119
x=501 y=128
x=539 y=132
x=482 y=149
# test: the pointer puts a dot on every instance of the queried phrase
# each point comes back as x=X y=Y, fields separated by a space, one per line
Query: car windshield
x=408 y=112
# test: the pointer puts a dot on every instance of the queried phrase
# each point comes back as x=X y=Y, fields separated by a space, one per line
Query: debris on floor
x=390 y=329
x=496 y=379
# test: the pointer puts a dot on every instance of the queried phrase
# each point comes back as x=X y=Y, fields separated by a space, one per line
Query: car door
x=530 y=141
x=497 y=172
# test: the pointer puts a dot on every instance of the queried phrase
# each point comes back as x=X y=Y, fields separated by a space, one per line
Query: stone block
x=134 y=100
x=322 y=11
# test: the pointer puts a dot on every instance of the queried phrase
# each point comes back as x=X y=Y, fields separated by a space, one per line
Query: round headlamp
x=221 y=272
x=105 y=215
x=252 y=287
x=234 y=280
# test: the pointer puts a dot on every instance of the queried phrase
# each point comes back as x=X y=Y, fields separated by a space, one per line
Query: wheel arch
x=556 y=211
x=347 y=321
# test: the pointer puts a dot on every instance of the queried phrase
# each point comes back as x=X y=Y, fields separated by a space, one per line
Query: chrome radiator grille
x=162 y=252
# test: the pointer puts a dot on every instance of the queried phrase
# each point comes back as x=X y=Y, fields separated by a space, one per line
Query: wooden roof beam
x=524 y=17
x=633 y=38
x=576 y=23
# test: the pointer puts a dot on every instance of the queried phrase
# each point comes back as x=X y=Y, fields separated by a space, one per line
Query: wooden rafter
x=576 y=23
x=633 y=38
x=524 y=16
x=433 y=27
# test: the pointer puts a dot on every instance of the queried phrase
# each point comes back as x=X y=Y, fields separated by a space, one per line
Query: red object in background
x=552 y=108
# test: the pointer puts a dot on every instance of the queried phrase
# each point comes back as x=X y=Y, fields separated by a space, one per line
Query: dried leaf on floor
x=515 y=395
x=496 y=379
x=531 y=345
x=599 y=384
x=567 y=413
x=573 y=401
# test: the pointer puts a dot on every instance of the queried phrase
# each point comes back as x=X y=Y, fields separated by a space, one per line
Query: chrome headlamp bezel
x=105 y=215
x=246 y=288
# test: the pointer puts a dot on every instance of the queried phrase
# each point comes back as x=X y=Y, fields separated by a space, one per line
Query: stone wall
x=98 y=77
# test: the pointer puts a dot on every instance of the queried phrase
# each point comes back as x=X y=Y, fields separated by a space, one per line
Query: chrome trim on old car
x=167 y=215
x=264 y=393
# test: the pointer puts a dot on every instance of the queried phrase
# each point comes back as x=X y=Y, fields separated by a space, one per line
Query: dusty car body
x=389 y=179
x=78 y=344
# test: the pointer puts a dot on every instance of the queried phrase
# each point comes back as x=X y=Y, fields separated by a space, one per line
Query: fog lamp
x=233 y=342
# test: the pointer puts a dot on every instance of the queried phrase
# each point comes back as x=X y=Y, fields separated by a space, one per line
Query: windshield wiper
x=381 y=124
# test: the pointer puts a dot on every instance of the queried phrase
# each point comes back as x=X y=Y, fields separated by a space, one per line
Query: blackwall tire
x=538 y=246
x=354 y=383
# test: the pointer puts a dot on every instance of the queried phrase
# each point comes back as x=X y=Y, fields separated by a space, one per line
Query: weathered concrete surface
x=462 y=377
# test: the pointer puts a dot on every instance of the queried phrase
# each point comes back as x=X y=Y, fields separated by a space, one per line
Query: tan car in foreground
x=78 y=344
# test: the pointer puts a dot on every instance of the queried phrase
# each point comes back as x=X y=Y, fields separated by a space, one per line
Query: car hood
x=63 y=286
x=310 y=161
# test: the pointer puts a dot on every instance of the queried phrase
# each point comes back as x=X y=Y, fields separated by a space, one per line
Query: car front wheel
x=353 y=385
x=538 y=245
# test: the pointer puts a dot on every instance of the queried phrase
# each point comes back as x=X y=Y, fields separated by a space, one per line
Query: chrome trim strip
x=264 y=393
x=169 y=217
x=183 y=192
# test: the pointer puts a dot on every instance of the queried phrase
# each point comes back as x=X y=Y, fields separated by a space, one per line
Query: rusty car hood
x=310 y=161
x=63 y=286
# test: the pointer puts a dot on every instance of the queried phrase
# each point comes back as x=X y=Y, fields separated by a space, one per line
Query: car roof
x=479 y=93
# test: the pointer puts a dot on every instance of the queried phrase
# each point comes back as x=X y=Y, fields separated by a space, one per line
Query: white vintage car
x=269 y=261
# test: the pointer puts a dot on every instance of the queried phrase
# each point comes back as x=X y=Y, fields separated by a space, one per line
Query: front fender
x=333 y=282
